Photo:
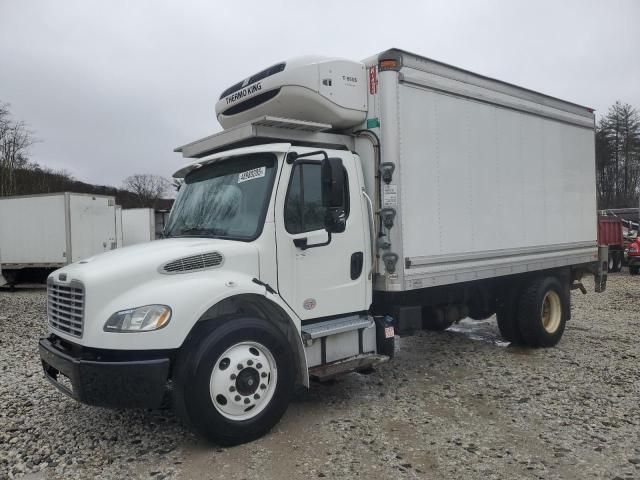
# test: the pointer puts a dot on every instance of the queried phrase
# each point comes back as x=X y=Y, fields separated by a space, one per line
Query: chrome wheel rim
x=243 y=380
x=551 y=312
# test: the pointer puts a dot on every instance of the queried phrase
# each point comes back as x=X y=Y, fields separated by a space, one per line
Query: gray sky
x=111 y=87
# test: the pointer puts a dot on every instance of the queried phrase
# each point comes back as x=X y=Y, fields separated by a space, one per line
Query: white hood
x=132 y=277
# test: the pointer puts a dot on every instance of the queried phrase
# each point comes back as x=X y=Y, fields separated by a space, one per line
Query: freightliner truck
x=343 y=205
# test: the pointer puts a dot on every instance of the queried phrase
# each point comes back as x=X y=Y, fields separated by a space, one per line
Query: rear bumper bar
x=139 y=383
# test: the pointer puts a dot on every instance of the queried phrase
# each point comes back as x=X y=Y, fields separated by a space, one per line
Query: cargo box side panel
x=482 y=182
x=138 y=226
x=32 y=231
x=93 y=225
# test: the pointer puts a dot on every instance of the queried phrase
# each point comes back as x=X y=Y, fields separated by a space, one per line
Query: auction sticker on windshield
x=252 y=174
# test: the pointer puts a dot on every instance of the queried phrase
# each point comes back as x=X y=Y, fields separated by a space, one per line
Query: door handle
x=357 y=262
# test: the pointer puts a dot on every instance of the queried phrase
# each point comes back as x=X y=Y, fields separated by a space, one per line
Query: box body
x=138 y=226
x=489 y=178
x=49 y=231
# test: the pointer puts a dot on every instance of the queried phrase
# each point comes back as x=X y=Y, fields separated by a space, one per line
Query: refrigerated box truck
x=138 y=226
x=343 y=203
x=40 y=233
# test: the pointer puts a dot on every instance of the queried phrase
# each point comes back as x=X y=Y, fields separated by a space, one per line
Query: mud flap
x=600 y=276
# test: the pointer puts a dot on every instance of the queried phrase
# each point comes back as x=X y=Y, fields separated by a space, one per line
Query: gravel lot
x=459 y=404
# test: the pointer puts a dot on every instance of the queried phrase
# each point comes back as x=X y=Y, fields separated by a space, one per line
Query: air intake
x=193 y=263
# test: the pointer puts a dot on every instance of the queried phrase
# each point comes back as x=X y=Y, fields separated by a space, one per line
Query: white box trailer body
x=53 y=230
x=490 y=179
x=344 y=202
x=138 y=226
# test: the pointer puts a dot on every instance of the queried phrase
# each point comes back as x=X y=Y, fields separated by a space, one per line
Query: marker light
x=387 y=65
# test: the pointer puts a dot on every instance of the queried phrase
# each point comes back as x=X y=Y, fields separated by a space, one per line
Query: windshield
x=227 y=199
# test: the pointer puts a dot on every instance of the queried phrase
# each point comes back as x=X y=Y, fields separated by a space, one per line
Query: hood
x=168 y=272
x=131 y=265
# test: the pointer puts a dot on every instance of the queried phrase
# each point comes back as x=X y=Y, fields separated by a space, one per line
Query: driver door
x=325 y=280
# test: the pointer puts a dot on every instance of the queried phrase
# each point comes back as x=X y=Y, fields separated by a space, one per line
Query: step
x=327 y=372
x=335 y=326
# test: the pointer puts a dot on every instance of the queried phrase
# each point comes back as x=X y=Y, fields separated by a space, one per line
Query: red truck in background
x=633 y=257
x=610 y=234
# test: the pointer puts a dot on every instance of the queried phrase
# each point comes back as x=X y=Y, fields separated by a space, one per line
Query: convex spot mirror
x=333 y=194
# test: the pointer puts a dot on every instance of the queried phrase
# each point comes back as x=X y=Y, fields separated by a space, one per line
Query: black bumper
x=109 y=382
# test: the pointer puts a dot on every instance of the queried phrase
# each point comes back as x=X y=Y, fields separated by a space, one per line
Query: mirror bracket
x=302 y=244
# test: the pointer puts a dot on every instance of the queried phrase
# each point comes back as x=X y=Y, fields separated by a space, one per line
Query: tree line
x=618 y=157
x=21 y=176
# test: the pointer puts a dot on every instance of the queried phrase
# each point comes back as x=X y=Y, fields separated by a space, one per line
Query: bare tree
x=147 y=188
x=15 y=140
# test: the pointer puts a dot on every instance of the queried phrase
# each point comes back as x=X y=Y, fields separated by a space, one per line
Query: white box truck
x=138 y=226
x=40 y=233
x=343 y=203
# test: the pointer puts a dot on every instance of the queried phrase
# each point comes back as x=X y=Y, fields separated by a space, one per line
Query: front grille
x=193 y=262
x=65 y=307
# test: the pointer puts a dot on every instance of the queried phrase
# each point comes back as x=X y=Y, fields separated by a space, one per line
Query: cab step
x=322 y=373
x=333 y=327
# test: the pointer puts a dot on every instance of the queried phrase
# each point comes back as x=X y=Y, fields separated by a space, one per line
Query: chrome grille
x=193 y=262
x=65 y=307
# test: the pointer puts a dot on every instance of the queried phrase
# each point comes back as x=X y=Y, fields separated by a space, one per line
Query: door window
x=303 y=210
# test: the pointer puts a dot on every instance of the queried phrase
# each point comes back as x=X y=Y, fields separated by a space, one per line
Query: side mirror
x=333 y=194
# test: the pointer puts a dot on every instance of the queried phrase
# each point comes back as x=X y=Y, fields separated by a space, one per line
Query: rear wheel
x=615 y=262
x=618 y=261
x=542 y=312
x=506 y=312
x=233 y=381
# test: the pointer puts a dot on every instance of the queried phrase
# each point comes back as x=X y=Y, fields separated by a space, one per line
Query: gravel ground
x=458 y=404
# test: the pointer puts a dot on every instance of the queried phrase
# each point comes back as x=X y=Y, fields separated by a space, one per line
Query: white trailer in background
x=138 y=226
x=119 y=226
x=162 y=216
x=40 y=233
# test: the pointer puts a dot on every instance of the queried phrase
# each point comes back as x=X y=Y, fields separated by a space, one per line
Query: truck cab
x=268 y=247
x=324 y=220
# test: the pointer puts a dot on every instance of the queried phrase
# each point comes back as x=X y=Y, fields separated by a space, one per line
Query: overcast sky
x=112 y=87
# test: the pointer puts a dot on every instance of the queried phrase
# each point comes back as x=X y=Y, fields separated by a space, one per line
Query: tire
x=618 y=261
x=634 y=269
x=611 y=264
x=506 y=317
x=213 y=404
x=543 y=312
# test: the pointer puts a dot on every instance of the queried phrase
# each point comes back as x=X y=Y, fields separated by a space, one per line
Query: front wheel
x=234 y=379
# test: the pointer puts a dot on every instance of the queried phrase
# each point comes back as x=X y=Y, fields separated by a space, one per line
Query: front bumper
x=105 y=378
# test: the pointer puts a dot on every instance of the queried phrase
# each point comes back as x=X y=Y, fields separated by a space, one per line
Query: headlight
x=140 y=319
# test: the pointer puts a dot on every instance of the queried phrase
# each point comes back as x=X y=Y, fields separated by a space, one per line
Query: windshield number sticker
x=252 y=174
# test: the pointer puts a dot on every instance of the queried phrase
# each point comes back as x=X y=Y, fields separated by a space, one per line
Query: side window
x=303 y=210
